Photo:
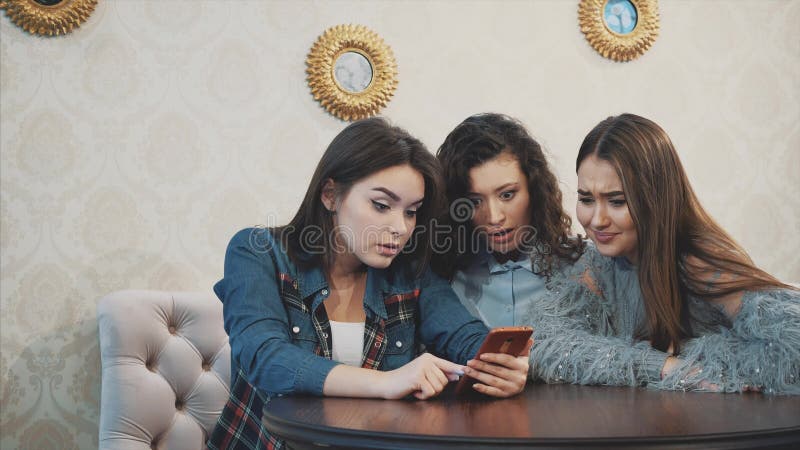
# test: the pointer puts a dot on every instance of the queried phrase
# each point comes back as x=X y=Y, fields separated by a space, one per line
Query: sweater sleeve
x=574 y=339
x=760 y=350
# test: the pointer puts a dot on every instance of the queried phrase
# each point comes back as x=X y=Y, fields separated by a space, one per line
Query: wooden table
x=561 y=416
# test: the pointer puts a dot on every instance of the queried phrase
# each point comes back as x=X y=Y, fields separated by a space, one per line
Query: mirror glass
x=352 y=71
x=620 y=16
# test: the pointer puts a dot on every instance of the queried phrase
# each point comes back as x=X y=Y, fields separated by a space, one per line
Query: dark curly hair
x=477 y=140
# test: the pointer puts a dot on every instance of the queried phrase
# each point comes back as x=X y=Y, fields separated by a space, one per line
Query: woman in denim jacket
x=310 y=307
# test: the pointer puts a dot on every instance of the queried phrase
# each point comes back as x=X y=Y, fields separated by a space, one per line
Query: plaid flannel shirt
x=402 y=316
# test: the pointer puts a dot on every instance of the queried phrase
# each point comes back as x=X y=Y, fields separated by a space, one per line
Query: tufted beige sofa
x=166 y=369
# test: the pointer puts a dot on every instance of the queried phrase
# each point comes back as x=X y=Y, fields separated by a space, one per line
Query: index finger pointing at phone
x=449 y=367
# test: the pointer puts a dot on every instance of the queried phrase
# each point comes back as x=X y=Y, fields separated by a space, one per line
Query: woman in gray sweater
x=665 y=298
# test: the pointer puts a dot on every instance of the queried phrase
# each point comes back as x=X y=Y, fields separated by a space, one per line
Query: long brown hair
x=477 y=140
x=361 y=149
x=684 y=246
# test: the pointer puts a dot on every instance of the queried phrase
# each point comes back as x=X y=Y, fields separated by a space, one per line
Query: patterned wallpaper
x=135 y=147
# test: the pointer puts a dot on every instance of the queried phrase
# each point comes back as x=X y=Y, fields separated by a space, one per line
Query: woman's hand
x=424 y=377
x=669 y=365
x=500 y=375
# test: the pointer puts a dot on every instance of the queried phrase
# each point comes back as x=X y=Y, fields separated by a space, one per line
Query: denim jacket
x=280 y=336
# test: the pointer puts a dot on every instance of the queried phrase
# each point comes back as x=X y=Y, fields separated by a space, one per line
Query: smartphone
x=508 y=340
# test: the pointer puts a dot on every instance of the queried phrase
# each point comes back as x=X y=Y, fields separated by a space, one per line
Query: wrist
x=651 y=365
x=379 y=384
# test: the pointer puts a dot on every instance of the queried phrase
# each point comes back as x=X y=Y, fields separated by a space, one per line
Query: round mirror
x=620 y=16
x=48 y=17
x=352 y=72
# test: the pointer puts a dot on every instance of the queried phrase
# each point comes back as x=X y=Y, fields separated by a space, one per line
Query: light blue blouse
x=499 y=294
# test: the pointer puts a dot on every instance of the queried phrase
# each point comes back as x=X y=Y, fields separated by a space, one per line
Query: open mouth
x=500 y=236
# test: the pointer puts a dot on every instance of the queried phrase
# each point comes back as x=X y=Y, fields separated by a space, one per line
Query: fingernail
x=458 y=372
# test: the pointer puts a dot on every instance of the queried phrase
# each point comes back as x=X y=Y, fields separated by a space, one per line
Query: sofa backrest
x=166 y=369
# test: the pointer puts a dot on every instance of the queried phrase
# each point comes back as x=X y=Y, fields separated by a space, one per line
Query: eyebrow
x=501 y=188
x=602 y=194
x=394 y=196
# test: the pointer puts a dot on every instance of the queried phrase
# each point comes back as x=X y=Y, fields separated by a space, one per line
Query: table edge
x=294 y=431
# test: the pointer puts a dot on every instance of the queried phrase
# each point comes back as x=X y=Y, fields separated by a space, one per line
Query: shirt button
x=295 y=330
x=325 y=335
x=398 y=344
x=324 y=292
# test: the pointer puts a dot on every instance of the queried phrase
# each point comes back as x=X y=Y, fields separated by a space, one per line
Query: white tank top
x=347 y=340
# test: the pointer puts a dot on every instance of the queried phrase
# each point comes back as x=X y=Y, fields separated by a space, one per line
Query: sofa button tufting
x=206 y=366
x=179 y=405
x=172 y=329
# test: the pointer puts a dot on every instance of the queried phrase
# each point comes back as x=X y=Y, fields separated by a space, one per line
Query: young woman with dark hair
x=315 y=306
x=666 y=298
x=509 y=240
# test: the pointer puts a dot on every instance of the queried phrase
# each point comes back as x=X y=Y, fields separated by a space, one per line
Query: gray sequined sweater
x=584 y=330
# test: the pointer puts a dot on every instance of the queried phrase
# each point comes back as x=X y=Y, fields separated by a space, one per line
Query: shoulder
x=257 y=245
x=257 y=240
x=255 y=237
x=763 y=307
x=773 y=297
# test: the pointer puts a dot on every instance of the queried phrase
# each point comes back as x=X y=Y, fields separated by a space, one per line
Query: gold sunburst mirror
x=351 y=72
x=621 y=30
x=48 y=17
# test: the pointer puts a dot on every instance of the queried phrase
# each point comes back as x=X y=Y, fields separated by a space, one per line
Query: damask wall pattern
x=133 y=148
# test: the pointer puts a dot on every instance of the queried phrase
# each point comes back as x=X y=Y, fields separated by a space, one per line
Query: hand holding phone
x=508 y=340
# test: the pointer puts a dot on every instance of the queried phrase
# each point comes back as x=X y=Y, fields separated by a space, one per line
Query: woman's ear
x=328 y=195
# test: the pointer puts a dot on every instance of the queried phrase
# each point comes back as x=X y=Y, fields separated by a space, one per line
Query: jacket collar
x=381 y=283
x=310 y=281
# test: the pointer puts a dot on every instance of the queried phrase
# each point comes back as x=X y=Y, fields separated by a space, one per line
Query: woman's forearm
x=576 y=356
x=760 y=351
x=349 y=381
x=424 y=377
